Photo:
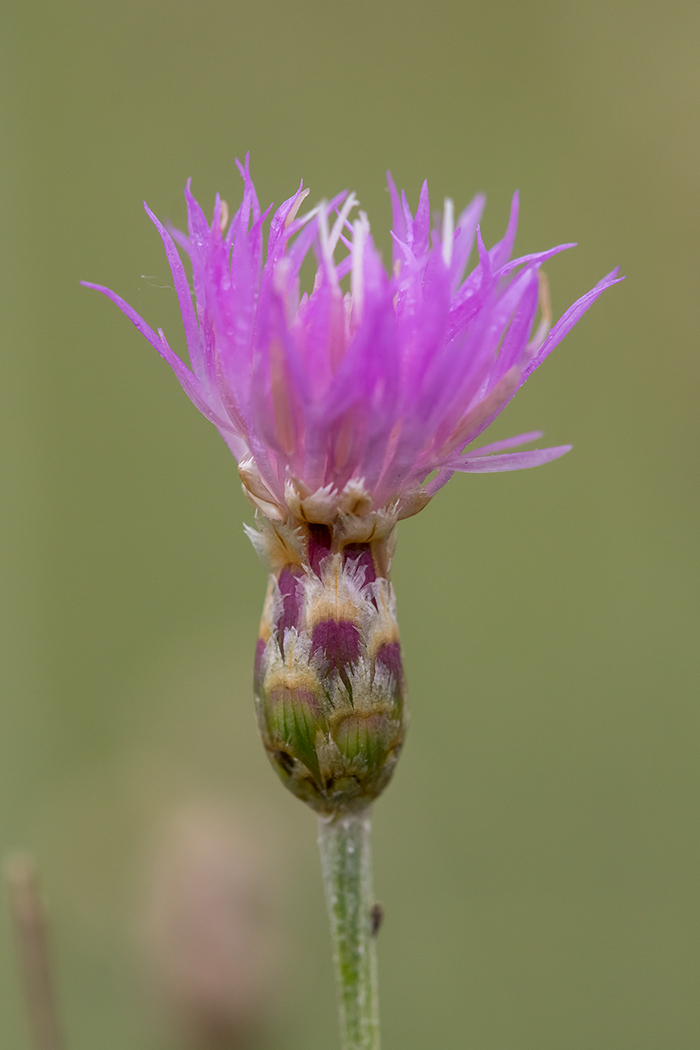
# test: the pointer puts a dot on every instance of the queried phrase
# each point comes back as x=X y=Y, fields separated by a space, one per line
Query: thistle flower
x=347 y=410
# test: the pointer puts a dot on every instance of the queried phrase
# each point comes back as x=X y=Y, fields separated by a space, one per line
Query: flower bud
x=329 y=684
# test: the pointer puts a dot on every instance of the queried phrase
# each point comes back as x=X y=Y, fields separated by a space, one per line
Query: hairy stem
x=346 y=862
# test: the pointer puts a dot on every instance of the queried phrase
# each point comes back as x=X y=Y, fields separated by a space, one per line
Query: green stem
x=346 y=862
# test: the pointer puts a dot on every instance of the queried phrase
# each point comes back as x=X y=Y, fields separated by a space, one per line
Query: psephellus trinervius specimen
x=347 y=409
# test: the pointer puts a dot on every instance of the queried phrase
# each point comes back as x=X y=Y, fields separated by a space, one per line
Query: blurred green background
x=538 y=853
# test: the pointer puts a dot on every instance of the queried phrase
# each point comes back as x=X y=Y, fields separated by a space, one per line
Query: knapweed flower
x=347 y=409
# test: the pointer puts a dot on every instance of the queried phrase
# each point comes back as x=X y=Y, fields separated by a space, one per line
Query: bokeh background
x=538 y=853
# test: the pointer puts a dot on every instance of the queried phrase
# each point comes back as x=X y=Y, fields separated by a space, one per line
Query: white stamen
x=545 y=314
x=448 y=229
x=323 y=237
x=295 y=208
x=310 y=214
x=224 y=216
x=329 y=240
x=339 y=223
x=360 y=233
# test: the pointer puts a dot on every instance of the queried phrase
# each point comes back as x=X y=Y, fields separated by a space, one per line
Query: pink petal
x=188 y=381
x=498 y=446
x=511 y=461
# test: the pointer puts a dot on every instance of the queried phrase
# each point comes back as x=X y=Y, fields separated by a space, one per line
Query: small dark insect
x=376 y=918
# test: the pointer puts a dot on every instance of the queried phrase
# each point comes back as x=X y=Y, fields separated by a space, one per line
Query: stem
x=346 y=862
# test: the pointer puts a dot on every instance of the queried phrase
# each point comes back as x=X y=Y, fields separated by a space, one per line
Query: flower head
x=347 y=409
x=351 y=399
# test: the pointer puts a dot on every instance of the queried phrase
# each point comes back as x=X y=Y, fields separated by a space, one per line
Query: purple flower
x=346 y=411
x=350 y=400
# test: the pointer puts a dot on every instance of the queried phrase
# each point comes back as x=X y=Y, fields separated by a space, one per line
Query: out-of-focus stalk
x=31 y=930
x=346 y=862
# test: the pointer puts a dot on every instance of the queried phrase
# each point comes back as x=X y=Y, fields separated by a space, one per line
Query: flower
x=347 y=410
x=378 y=387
